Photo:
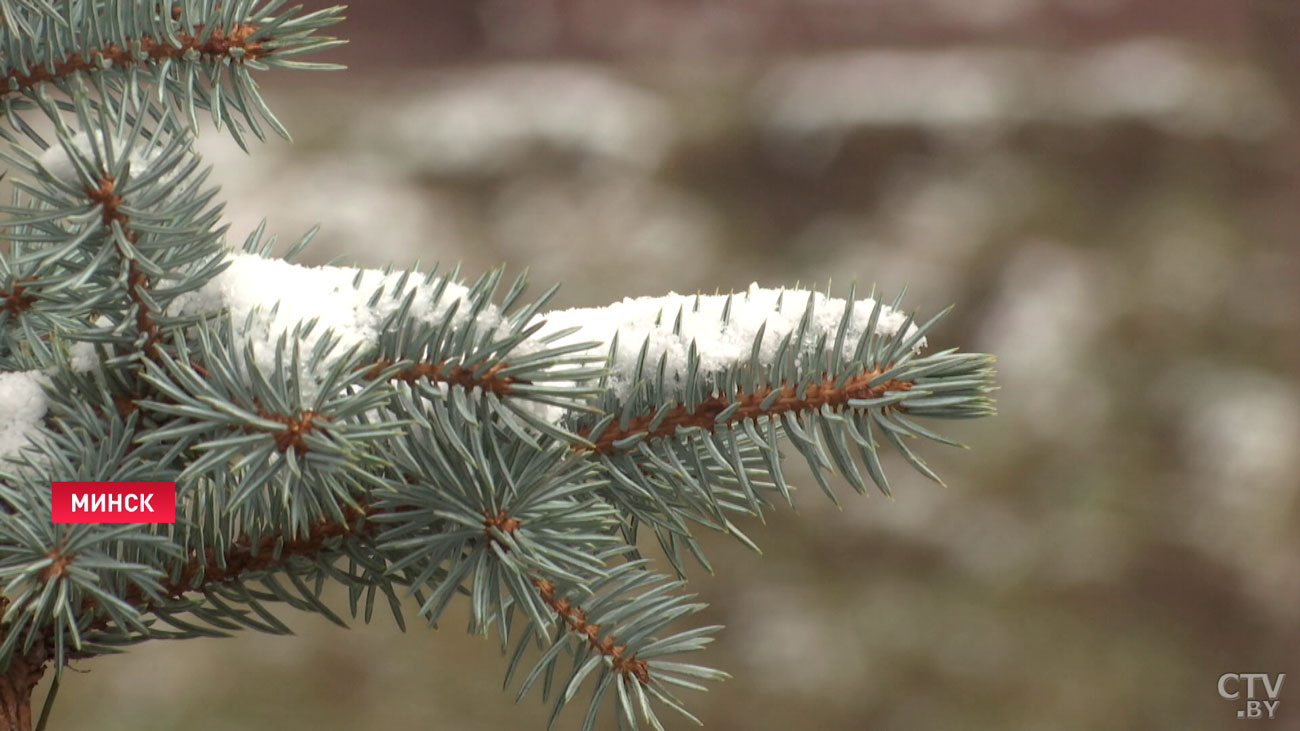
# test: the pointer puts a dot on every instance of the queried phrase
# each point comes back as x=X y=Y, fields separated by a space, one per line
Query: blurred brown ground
x=1107 y=189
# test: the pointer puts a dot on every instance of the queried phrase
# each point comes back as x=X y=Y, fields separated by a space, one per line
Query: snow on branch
x=22 y=405
x=722 y=328
x=267 y=297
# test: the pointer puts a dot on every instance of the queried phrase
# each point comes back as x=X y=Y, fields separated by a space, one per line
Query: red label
x=114 y=502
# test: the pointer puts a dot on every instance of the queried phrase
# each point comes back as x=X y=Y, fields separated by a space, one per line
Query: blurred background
x=1108 y=190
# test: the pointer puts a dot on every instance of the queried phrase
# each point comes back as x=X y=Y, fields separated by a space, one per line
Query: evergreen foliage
x=420 y=435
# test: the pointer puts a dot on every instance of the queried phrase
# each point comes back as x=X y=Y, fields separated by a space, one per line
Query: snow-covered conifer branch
x=392 y=431
x=696 y=435
x=702 y=389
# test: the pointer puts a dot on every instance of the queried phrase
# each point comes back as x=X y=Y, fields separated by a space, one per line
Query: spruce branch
x=765 y=401
x=231 y=43
x=198 y=54
x=245 y=556
x=387 y=431
x=574 y=618
x=137 y=282
x=457 y=415
x=469 y=376
x=617 y=631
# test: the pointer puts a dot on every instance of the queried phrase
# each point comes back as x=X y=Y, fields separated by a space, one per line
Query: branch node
x=16 y=300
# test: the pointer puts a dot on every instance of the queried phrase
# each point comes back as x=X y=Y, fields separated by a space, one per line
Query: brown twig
x=815 y=396
x=575 y=619
x=573 y=616
x=219 y=43
x=456 y=375
x=244 y=556
x=110 y=204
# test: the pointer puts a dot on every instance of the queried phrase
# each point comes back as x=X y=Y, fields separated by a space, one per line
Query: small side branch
x=464 y=376
x=575 y=619
x=110 y=204
x=220 y=42
x=243 y=557
x=751 y=406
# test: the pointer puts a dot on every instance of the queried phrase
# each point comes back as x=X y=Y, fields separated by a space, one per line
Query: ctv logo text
x=1232 y=686
x=113 y=502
